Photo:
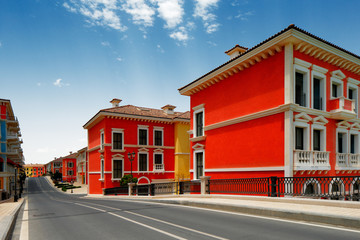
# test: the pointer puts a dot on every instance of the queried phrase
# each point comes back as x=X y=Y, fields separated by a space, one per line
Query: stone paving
x=8 y=211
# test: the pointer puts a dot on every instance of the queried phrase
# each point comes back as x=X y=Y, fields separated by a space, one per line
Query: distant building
x=157 y=137
x=81 y=163
x=11 y=153
x=34 y=170
x=69 y=167
x=289 y=106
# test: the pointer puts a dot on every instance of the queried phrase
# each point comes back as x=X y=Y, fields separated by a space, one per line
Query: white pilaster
x=288 y=144
x=289 y=73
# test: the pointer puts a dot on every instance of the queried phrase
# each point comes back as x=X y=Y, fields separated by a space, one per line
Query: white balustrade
x=348 y=160
x=158 y=167
x=308 y=159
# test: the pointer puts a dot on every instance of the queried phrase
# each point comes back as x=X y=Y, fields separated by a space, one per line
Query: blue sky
x=63 y=61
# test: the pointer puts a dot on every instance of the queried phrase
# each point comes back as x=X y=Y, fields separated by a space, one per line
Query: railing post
x=181 y=187
x=152 y=189
x=205 y=189
x=131 y=187
x=273 y=184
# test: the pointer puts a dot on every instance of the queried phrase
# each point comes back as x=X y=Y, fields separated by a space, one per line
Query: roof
x=294 y=34
x=131 y=111
x=33 y=165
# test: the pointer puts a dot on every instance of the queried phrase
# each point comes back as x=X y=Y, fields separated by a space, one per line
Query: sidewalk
x=8 y=213
x=82 y=190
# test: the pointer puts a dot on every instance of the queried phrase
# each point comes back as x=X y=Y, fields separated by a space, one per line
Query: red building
x=286 y=107
x=152 y=134
x=69 y=167
x=34 y=170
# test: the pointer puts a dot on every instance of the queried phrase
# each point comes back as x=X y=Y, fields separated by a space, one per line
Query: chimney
x=70 y=152
x=115 y=102
x=236 y=51
x=168 y=109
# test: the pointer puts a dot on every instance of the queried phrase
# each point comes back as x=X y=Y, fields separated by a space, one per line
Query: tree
x=127 y=179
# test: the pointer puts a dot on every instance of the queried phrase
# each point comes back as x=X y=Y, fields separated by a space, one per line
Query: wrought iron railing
x=190 y=187
x=240 y=186
x=117 y=191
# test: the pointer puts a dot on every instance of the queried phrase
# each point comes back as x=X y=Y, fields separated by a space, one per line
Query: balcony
x=311 y=160
x=347 y=161
x=342 y=108
x=159 y=168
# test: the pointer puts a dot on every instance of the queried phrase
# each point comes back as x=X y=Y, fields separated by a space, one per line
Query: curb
x=11 y=223
x=328 y=219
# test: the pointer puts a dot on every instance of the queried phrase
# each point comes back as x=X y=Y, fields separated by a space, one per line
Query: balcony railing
x=311 y=160
x=347 y=161
x=159 y=168
x=342 y=108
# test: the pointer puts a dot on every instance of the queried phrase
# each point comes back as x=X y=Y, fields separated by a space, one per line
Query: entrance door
x=199 y=164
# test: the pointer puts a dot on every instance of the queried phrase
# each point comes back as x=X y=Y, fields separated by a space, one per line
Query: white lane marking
x=246 y=215
x=133 y=221
x=164 y=222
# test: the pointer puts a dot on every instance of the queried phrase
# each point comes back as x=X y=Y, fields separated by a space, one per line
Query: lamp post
x=131 y=157
x=15 y=194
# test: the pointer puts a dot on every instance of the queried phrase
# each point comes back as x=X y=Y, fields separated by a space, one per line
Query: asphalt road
x=49 y=214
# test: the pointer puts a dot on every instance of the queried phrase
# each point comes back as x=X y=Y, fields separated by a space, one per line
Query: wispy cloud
x=203 y=10
x=0 y=44
x=97 y=12
x=119 y=59
x=58 y=83
x=105 y=44
x=38 y=84
x=159 y=48
x=244 y=16
x=180 y=35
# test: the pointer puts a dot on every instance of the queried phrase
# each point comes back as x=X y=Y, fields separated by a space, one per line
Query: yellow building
x=182 y=151
x=34 y=170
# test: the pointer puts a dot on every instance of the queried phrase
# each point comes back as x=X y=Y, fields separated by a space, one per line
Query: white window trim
x=117 y=130
x=357 y=149
x=356 y=88
x=322 y=128
x=72 y=173
x=102 y=169
x=162 y=158
x=112 y=168
x=306 y=135
x=102 y=136
x=339 y=82
x=322 y=77
x=138 y=161
x=162 y=135
x=306 y=72
x=346 y=147
x=71 y=164
x=194 y=122
x=147 y=134
x=195 y=177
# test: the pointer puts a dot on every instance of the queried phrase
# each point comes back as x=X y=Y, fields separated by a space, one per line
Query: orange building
x=151 y=134
x=34 y=170
x=286 y=107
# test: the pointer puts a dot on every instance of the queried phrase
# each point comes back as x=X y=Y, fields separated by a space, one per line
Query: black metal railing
x=166 y=188
x=117 y=191
x=333 y=187
x=190 y=187
x=240 y=186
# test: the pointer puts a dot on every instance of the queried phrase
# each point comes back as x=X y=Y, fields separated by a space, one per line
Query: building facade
x=11 y=153
x=81 y=163
x=69 y=167
x=34 y=170
x=157 y=137
x=286 y=107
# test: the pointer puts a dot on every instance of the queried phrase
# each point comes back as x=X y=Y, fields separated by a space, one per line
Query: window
x=158 y=159
x=336 y=88
x=117 y=140
x=317 y=140
x=300 y=87
x=199 y=165
x=143 y=133
x=102 y=140
x=158 y=137
x=299 y=138
x=342 y=142
x=354 y=142
x=143 y=162
x=353 y=95
x=70 y=165
x=70 y=173
x=102 y=171
x=117 y=169
x=199 y=124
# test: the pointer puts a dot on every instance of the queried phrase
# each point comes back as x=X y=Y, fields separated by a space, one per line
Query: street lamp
x=131 y=157
x=15 y=195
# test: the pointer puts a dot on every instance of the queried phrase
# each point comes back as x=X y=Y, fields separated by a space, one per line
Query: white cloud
x=211 y=43
x=119 y=59
x=58 y=83
x=142 y=14
x=105 y=44
x=203 y=10
x=97 y=12
x=171 y=11
x=38 y=84
x=180 y=35
x=160 y=49
x=244 y=16
x=0 y=44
